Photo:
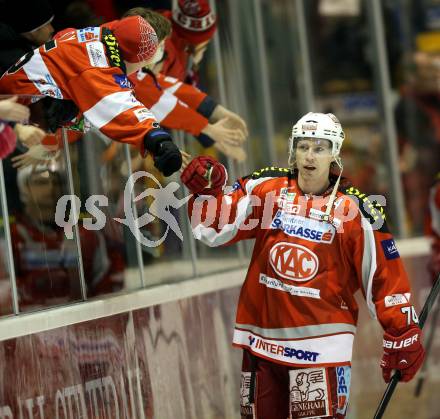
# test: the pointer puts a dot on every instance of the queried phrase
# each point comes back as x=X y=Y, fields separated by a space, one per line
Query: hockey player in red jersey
x=89 y=67
x=317 y=241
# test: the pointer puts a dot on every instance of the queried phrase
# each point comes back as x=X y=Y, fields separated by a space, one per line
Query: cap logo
x=191 y=7
x=193 y=23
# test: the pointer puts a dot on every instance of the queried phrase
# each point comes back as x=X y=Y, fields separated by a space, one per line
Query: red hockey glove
x=204 y=175
x=402 y=352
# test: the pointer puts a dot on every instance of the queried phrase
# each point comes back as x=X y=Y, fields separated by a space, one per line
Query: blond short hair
x=160 y=24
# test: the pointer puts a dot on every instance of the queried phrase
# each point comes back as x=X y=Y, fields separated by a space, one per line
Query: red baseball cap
x=136 y=38
x=194 y=21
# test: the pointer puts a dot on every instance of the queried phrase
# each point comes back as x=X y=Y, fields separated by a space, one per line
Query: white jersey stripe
x=164 y=106
x=37 y=72
x=299 y=332
x=211 y=237
x=319 y=350
x=172 y=89
x=170 y=79
x=109 y=107
x=369 y=264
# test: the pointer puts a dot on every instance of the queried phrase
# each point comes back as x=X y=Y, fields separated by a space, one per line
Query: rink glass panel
x=283 y=61
x=168 y=256
x=222 y=77
x=414 y=54
x=244 y=80
x=209 y=259
x=100 y=171
x=5 y=279
x=341 y=53
x=46 y=262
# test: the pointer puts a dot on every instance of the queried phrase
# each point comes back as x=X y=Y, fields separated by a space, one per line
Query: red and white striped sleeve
x=227 y=218
x=110 y=107
x=169 y=111
x=190 y=95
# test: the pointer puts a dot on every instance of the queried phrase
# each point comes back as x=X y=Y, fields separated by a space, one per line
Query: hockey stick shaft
x=396 y=377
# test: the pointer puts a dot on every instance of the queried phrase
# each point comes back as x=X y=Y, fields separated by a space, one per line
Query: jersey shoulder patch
x=269 y=172
x=369 y=208
x=112 y=49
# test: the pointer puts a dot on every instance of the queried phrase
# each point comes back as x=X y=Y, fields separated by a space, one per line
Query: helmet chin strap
x=332 y=197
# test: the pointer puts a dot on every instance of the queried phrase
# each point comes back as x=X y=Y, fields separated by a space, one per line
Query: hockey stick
x=396 y=377
x=429 y=341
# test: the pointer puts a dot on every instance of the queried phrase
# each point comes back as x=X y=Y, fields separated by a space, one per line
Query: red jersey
x=176 y=61
x=84 y=66
x=297 y=304
x=189 y=94
x=46 y=264
x=160 y=95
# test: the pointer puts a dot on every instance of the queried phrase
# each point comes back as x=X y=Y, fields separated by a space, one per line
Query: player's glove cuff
x=166 y=154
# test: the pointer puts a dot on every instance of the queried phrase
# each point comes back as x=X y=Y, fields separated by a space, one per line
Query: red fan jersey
x=162 y=96
x=177 y=56
x=46 y=263
x=187 y=93
x=84 y=66
x=297 y=304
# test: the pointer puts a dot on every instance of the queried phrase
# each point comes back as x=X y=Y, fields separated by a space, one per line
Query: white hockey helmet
x=318 y=125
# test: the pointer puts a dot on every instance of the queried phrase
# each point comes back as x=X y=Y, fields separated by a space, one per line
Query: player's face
x=313 y=158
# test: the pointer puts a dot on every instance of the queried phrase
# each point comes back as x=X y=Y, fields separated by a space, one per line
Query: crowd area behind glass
x=269 y=62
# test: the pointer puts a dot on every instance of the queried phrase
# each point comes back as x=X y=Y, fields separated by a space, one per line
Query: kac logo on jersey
x=122 y=80
x=390 y=249
x=293 y=261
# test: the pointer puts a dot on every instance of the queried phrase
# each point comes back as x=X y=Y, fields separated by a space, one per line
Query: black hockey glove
x=166 y=154
x=58 y=112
